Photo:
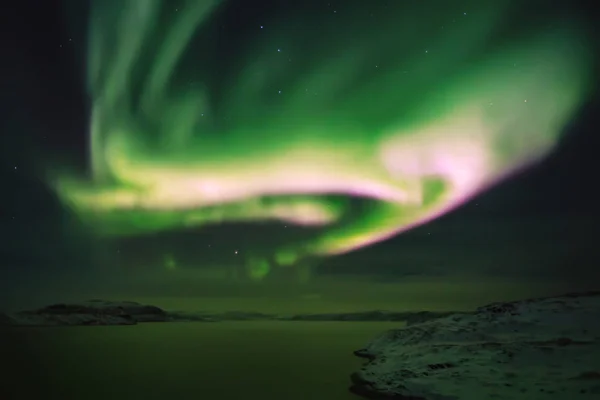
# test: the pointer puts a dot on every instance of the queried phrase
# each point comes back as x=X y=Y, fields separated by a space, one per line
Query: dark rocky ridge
x=102 y=312
x=93 y=312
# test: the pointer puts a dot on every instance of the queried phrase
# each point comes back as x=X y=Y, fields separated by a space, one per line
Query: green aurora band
x=418 y=118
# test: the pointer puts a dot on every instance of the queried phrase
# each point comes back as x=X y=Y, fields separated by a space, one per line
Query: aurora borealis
x=417 y=118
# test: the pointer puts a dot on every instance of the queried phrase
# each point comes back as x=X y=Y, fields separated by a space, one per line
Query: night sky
x=265 y=73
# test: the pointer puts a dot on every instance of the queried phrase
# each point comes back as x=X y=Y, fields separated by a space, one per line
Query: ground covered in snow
x=546 y=348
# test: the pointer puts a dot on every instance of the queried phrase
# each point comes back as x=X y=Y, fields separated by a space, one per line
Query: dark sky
x=539 y=225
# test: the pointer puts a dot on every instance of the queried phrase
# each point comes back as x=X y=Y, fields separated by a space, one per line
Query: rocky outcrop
x=546 y=348
x=93 y=312
x=102 y=312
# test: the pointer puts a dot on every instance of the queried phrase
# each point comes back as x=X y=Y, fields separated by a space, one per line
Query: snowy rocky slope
x=547 y=348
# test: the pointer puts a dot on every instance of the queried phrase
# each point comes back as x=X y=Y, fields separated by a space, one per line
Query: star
x=236 y=252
